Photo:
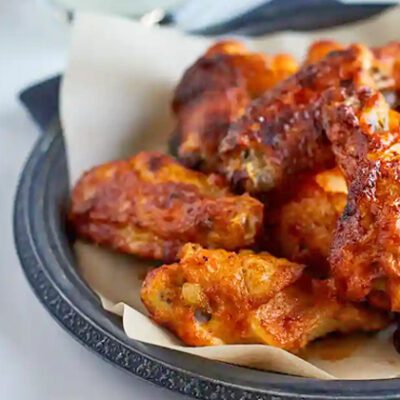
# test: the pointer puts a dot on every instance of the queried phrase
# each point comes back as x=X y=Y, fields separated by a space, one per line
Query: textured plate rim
x=118 y=349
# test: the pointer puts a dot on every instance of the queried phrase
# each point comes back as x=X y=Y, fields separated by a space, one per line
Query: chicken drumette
x=214 y=297
x=150 y=206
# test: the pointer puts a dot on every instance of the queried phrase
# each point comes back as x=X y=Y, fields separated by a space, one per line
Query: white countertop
x=39 y=361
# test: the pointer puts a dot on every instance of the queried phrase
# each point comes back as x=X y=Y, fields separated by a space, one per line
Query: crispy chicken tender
x=302 y=228
x=214 y=297
x=365 y=254
x=280 y=135
x=150 y=206
x=215 y=91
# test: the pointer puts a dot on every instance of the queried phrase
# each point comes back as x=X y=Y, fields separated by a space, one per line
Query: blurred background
x=252 y=17
x=39 y=360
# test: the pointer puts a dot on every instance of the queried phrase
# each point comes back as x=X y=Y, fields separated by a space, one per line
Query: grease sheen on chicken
x=365 y=255
x=149 y=205
x=301 y=229
x=214 y=297
x=280 y=134
x=214 y=92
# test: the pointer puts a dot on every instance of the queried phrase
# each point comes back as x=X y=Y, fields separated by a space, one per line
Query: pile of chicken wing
x=279 y=219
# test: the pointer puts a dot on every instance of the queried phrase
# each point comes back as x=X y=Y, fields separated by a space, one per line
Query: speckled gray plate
x=46 y=257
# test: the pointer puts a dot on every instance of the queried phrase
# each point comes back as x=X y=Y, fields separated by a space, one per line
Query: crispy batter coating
x=301 y=229
x=365 y=254
x=150 y=206
x=215 y=91
x=280 y=135
x=214 y=297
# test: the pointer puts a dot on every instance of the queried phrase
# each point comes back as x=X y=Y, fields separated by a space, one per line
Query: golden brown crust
x=150 y=206
x=321 y=48
x=365 y=254
x=214 y=92
x=216 y=297
x=280 y=134
x=229 y=64
x=387 y=56
x=204 y=122
x=308 y=310
x=206 y=298
x=301 y=229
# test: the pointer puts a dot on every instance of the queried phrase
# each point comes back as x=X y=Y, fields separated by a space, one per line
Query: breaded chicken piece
x=150 y=206
x=365 y=254
x=280 y=135
x=302 y=228
x=214 y=297
x=215 y=91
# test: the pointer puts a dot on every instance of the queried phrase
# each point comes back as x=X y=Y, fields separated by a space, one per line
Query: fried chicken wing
x=389 y=64
x=204 y=122
x=215 y=91
x=229 y=64
x=150 y=206
x=302 y=228
x=365 y=254
x=214 y=297
x=387 y=56
x=308 y=310
x=280 y=134
x=321 y=48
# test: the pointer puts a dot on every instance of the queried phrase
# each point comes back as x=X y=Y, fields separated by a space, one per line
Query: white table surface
x=39 y=361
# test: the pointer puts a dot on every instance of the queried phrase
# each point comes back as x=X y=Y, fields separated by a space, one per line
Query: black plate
x=46 y=257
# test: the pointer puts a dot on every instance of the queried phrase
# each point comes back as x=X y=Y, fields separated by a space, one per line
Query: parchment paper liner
x=115 y=101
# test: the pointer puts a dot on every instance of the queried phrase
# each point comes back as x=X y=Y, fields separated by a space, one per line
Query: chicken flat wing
x=215 y=91
x=150 y=206
x=302 y=228
x=280 y=134
x=365 y=254
x=214 y=297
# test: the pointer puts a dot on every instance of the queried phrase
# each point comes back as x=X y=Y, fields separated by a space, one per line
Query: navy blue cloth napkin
x=41 y=100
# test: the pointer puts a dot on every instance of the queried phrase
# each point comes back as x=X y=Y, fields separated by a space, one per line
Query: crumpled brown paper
x=115 y=101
